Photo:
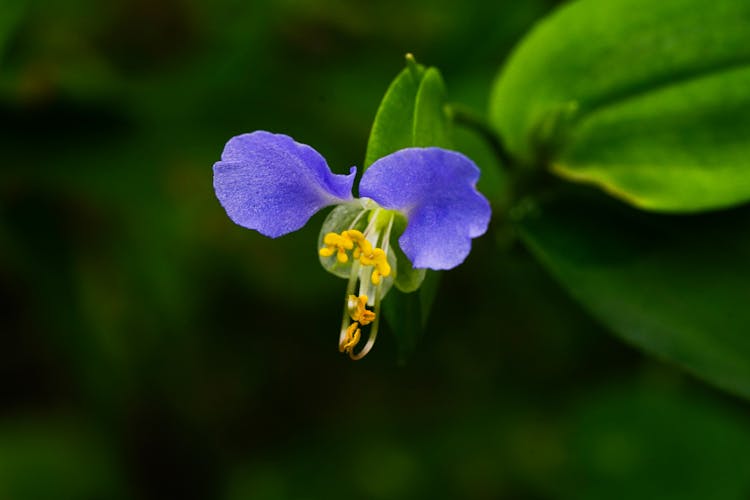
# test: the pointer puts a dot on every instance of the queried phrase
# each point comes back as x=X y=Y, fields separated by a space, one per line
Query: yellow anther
x=351 y=338
x=366 y=247
x=357 y=307
x=355 y=235
x=371 y=257
x=383 y=267
x=338 y=244
x=359 y=239
x=338 y=240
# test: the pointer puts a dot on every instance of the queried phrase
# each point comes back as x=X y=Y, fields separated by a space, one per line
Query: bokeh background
x=152 y=349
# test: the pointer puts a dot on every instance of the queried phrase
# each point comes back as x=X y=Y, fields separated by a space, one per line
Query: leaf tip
x=411 y=63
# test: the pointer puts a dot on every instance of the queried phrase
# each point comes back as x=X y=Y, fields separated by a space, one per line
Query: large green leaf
x=675 y=286
x=411 y=114
x=648 y=100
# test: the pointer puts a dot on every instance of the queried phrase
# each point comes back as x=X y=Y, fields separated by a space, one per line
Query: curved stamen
x=373 y=331
x=353 y=334
x=350 y=285
x=358 y=310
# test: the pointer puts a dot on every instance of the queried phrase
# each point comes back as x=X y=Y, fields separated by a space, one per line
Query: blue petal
x=436 y=190
x=270 y=183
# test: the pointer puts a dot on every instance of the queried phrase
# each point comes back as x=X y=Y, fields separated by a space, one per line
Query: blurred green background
x=152 y=349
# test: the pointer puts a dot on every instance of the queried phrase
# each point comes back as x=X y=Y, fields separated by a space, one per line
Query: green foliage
x=412 y=113
x=431 y=124
x=393 y=127
x=674 y=286
x=648 y=100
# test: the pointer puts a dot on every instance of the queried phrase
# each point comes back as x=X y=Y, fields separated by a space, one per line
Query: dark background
x=152 y=349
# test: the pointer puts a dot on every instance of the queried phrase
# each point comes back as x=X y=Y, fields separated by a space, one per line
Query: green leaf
x=678 y=287
x=431 y=125
x=648 y=100
x=393 y=126
x=412 y=114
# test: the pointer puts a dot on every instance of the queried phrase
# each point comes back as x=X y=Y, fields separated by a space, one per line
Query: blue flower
x=272 y=184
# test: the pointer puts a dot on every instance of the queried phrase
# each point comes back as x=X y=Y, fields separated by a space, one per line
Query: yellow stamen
x=355 y=235
x=358 y=311
x=338 y=244
x=378 y=259
x=351 y=338
x=381 y=264
x=364 y=253
x=362 y=250
x=363 y=246
x=372 y=335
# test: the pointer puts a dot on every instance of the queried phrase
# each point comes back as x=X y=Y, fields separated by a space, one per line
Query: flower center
x=368 y=250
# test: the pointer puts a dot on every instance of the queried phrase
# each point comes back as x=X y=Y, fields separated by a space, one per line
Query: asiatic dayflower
x=273 y=184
